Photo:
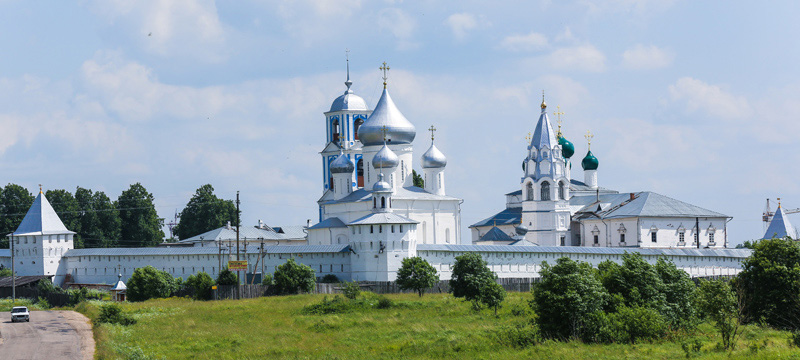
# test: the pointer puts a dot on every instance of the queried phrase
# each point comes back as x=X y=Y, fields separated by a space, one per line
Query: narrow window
x=360 y=171
x=563 y=241
x=596 y=239
x=380 y=228
x=621 y=237
x=335 y=129
x=711 y=237
x=696 y=237
x=371 y=229
x=653 y=236
x=374 y=203
x=561 y=190
x=545 y=191
x=392 y=228
x=357 y=125
x=383 y=202
x=529 y=191
x=681 y=237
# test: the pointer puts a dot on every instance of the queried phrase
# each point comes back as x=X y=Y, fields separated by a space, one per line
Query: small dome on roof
x=342 y=165
x=433 y=158
x=589 y=161
x=348 y=100
x=567 y=149
x=521 y=230
x=385 y=158
x=381 y=186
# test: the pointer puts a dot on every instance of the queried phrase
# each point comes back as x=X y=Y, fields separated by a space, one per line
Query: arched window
x=360 y=172
x=383 y=202
x=357 y=125
x=561 y=190
x=545 y=191
x=529 y=192
x=335 y=128
x=374 y=203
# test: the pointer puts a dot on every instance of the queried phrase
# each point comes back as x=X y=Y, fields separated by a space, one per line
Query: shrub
x=5 y=271
x=201 y=283
x=149 y=283
x=329 y=279
x=227 y=277
x=680 y=292
x=565 y=297
x=692 y=347
x=718 y=303
x=768 y=284
x=336 y=305
x=42 y=303
x=634 y=324
x=635 y=281
x=519 y=336
x=416 y=274
x=794 y=339
x=111 y=313
x=351 y=289
x=492 y=294
x=384 y=302
x=267 y=280
x=292 y=278
x=469 y=272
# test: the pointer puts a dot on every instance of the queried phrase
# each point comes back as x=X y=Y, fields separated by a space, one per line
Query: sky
x=698 y=101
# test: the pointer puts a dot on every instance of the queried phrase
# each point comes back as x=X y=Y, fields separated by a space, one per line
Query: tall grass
x=435 y=326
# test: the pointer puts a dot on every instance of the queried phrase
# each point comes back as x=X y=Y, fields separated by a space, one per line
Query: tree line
x=129 y=221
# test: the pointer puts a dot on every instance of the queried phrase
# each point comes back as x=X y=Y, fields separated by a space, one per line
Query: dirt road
x=49 y=335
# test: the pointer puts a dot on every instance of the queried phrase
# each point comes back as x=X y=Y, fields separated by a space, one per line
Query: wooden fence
x=33 y=294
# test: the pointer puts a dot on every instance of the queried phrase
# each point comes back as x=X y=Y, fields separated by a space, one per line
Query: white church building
x=371 y=216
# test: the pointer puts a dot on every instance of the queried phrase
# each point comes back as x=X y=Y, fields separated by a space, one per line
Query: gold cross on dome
x=528 y=138
x=341 y=143
x=384 y=130
x=558 y=114
x=589 y=137
x=431 y=129
x=40 y=188
x=385 y=70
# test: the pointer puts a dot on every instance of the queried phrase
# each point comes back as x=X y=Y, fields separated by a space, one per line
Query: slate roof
x=737 y=253
x=650 y=204
x=22 y=280
x=780 y=226
x=250 y=233
x=383 y=218
x=207 y=250
x=333 y=222
x=495 y=234
x=509 y=216
x=41 y=219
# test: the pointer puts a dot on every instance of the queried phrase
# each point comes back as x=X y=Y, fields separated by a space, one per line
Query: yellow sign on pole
x=237 y=265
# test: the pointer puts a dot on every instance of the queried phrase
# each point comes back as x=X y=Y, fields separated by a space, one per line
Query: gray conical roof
x=543 y=136
x=41 y=219
x=780 y=226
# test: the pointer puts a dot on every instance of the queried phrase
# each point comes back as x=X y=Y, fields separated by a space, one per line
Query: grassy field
x=436 y=326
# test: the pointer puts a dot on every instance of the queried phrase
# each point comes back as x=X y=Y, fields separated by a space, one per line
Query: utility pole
x=13 y=275
x=238 y=223
x=261 y=257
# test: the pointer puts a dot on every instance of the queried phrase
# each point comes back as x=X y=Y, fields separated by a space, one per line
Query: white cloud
x=584 y=58
x=647 y=57
x=529 y=42
x=565 y=35
x=461 y=23
x=399 y=24
x=315 y=21
x=636 y=7
x=170 y=27
x=712 y=99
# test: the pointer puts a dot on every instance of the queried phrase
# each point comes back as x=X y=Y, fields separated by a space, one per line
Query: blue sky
x=695 y=100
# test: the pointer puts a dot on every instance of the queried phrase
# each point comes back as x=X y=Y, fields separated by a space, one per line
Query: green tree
x=292 y=278
x=227 y=277
x=718 y=302
x=492 y=294
x=139 y=222
x=201 y=283
x=15 y=201
x=416 y=274
x=418 y=180
x=633 y=283
x=68 y=211
x=5 y=271
x=566 y=298
x=680 y=292
x=204 y=212
x=99 y=219
x=267 y=280
x=770 y=284
x=150 y=283
x=469 y=273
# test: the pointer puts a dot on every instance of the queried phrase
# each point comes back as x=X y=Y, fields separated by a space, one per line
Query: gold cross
x=431 y=129
x=528 y=138
x=779 y=202
x=589 y=137
x=544 y=105
x=558 y=114
x=384 y=130
x=40 y=188
x=385 y=70
x=341 y=143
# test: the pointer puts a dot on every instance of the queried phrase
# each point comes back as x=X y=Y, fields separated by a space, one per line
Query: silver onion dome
x=521 y=230
x=398 y=129
x=385 y=158
x=433 y=158
x=381 y=186
x=342 y=165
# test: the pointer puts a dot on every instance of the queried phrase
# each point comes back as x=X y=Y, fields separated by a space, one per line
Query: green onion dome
x=589 y=161
x=567 y=149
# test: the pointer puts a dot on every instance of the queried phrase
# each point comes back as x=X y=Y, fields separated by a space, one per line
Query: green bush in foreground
x=111 y=313
x=267 y=280
x=770 y=284
x=150 y=283
x=416 y=274
x=718 y=303
x=350 y=289
x=201 y=283
x=292 y=278
x=227 y=277
x=329 y=279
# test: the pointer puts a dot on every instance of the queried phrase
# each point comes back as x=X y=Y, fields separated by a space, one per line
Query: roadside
x=49 y=335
